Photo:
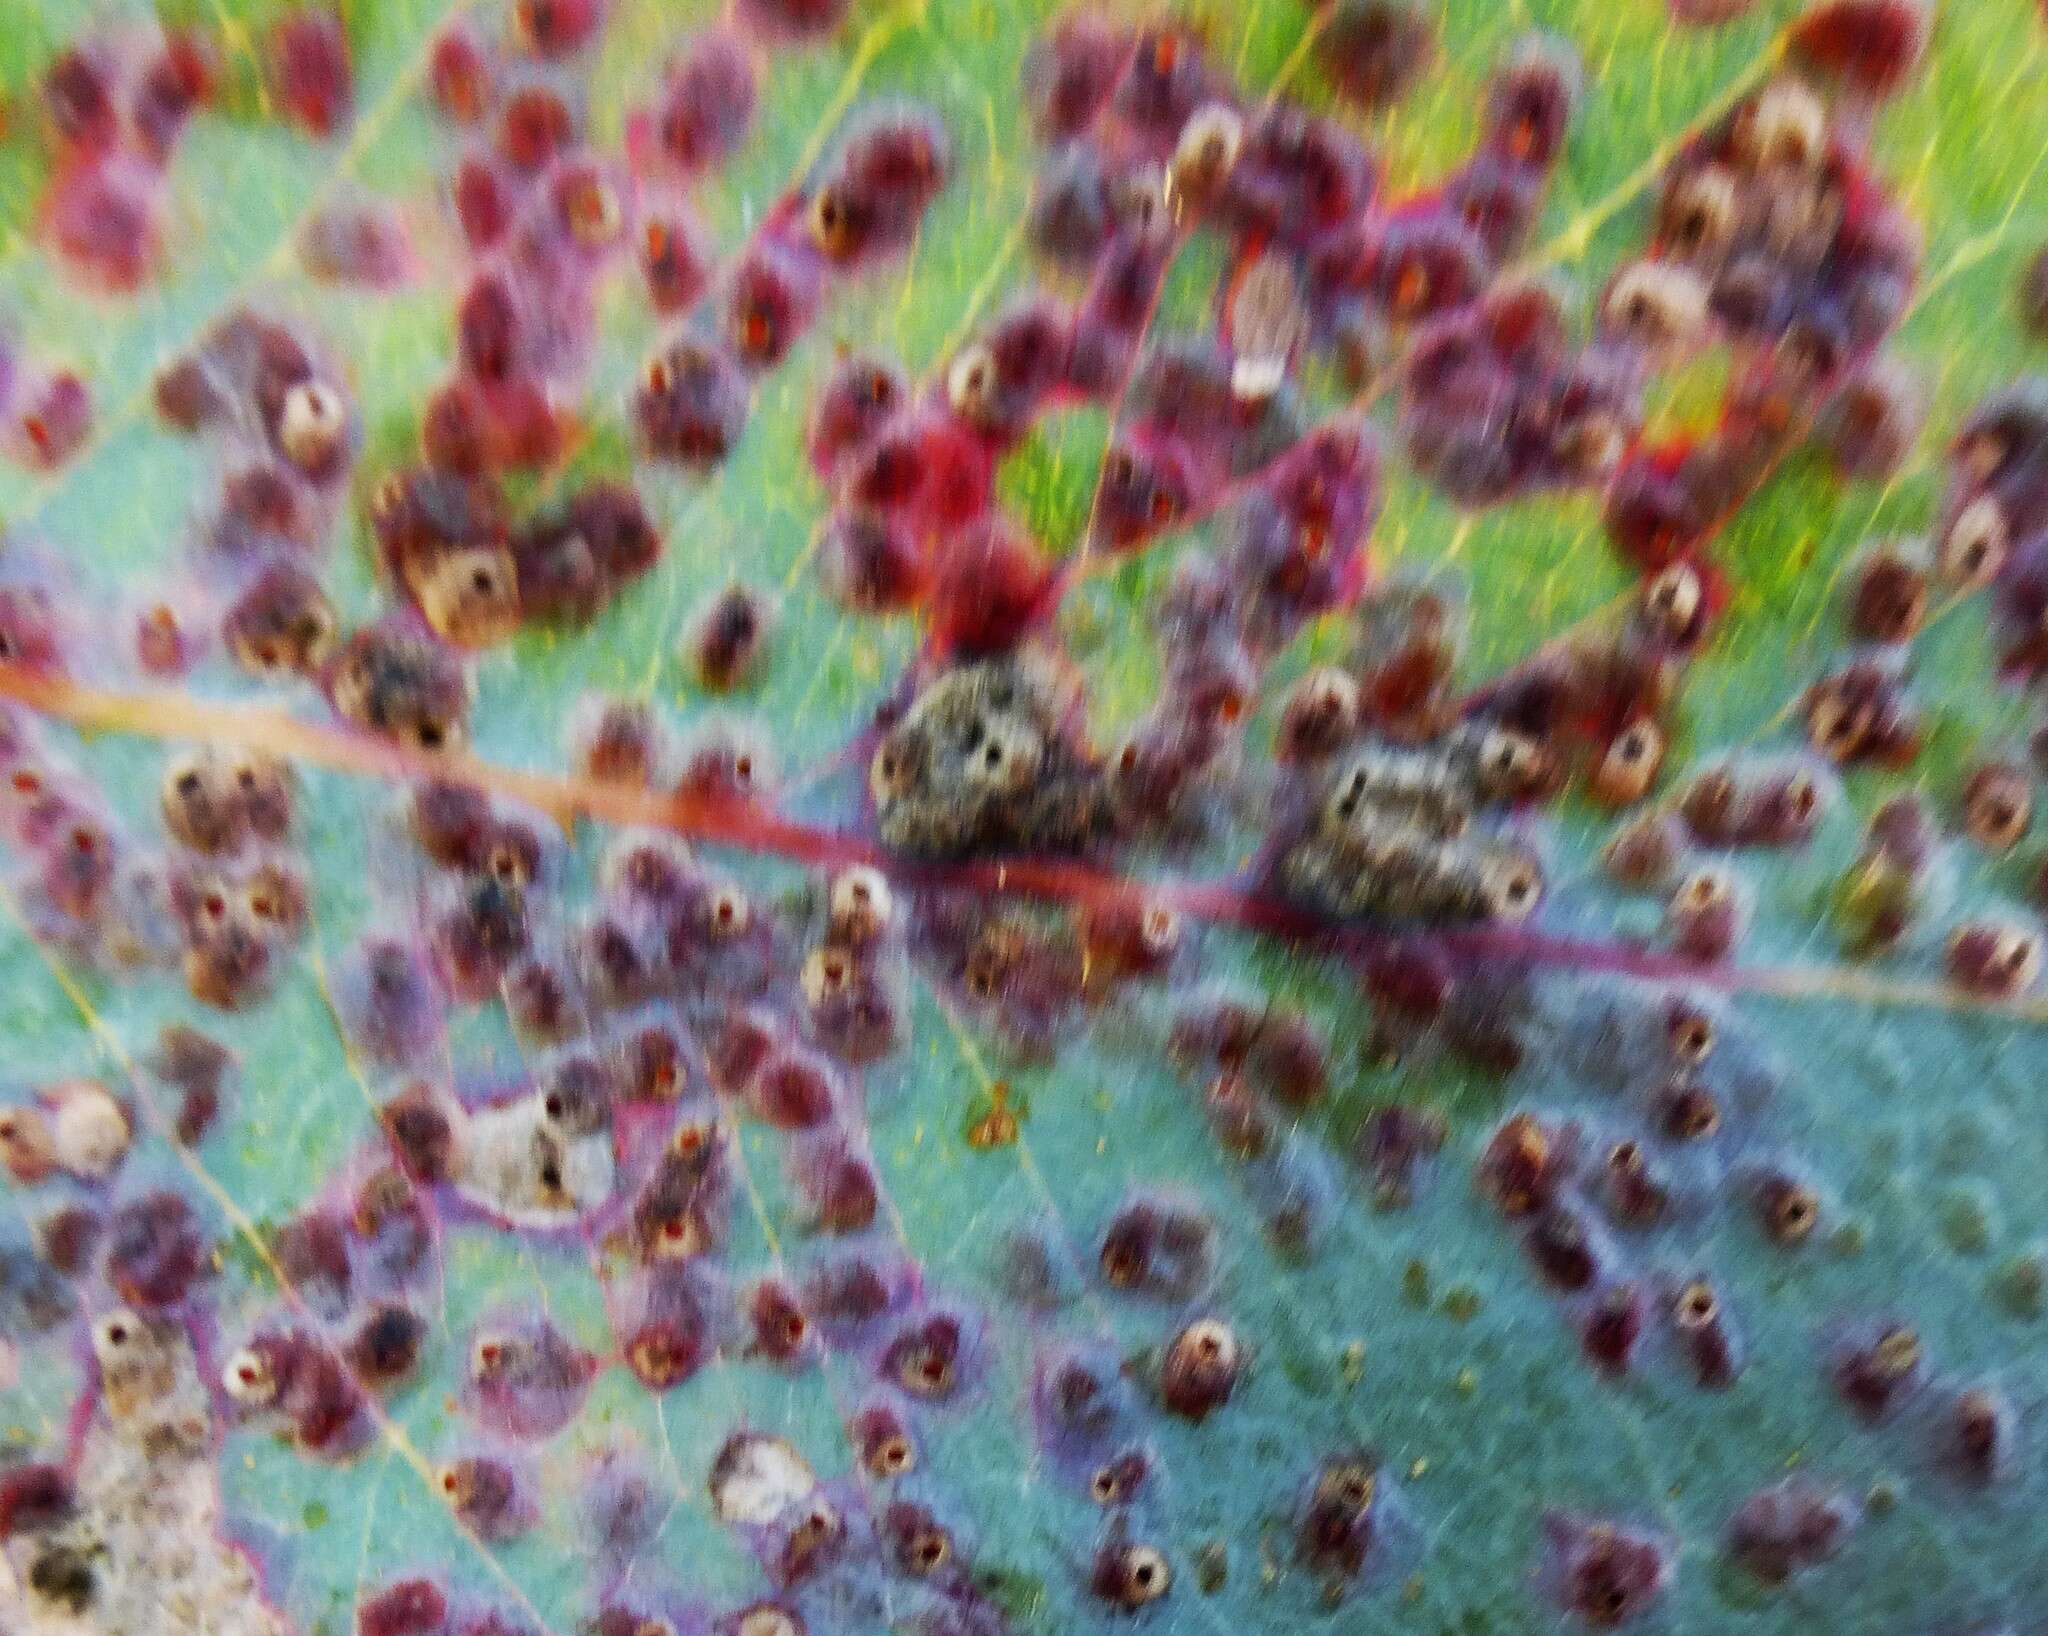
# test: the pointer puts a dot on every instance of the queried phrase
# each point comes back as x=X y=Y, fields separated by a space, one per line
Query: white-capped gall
x=311 y=425
x=1200 y=1369
x=766 y=1619
x=1998 y=805
x=1509 y=763
x=862 y=906
x=1511 y=885
x=1130 y=1576
x=1976 y=545
x=248 y=1378
x=198 y=808
x=728 y=913
x=1672 y=599
x=828 y=973
x=1624 y=774
x=1204 y=156
x=755 y=1478
x=470 y=596
x=26 y=1145
x=1269 y=322
x=90 y=1131
x=1786 y=127
x=1657 y=304
x=971 y=381
x=1158 y=930
x=118 y=1336
x=1700 y=211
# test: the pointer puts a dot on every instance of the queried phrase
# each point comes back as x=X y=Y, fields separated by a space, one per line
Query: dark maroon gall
x=780 y=1327
x=422 y=1139
x=1872 y=46
x=1118 y=1480
x=769 y=304
x=1158 y=1249
x=1870 y=426
x=1635 y=1193
x=1612 y=1327
x=67 y=1240
x=730 y=636
x=385 y=1348
x=1411 y=981
x=1322 y=714
x=1605 y=1575
x=458 y=78
x=484 y=202
x=390 y=1219
x=924 y=1360
x=485 y=1495
x=78 y=95
x=1561 y=1244
x=1072 y=72
x=1861 y=714
x=743 y=1043
x=1789 y=1527
x=1874 y=1372
x=883 y=1442
x=1994 y=960
x=846 y=1295
x=311 y=1252
x=919 y=1543
x=776 y=21
x=154 y=1251
x=557 y=28
x=674 y=262
x=1374 y=50
x=34 y=1499
x=311 y=70
x=1524 y=1166
x=1645 y=852
x=841 y=1188
x=692 y=403
x=664 y=1353
x=1335 y=1531
x=1976 y=1435
x=451 y=824
x=1395 y=1144
x=282 y=625
x=1684 y=1110
x=794 y=1092
x=55 y=420
x=622 y=744
x=861 y=394
x=707 y=106
x=1530 y=106
x=655 y=1068
x=1130 y=937
x=412 y=1607
x=534 y=126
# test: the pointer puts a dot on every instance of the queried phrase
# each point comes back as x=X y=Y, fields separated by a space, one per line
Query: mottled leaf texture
x=956 y=816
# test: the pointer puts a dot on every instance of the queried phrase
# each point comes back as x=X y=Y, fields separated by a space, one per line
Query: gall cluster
x=116 y=107
x=1775 y=238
